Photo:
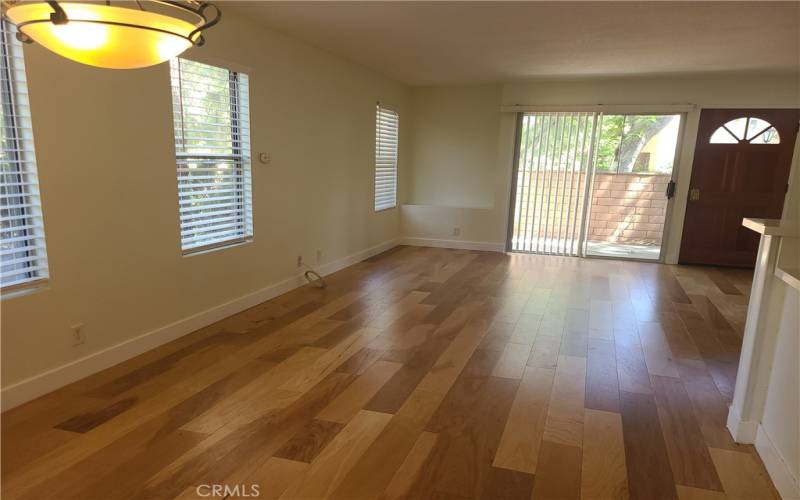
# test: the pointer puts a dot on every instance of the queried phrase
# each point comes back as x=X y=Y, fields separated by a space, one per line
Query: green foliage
x=553 y=141
x=205 y=101
x=622 y=137
x=611 y=132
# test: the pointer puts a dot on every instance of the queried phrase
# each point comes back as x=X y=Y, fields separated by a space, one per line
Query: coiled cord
x=315 y=279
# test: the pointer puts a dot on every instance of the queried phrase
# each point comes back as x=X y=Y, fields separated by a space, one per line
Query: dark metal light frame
x=197 y=9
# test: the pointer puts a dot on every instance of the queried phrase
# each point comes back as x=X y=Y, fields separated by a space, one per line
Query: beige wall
x=443 y=172
x=105 y=151
x=435 y=219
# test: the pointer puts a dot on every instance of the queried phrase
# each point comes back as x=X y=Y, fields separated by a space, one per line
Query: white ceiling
x=434 y=43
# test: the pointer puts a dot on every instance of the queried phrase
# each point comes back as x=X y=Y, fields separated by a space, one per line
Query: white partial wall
x=766 y=403
x=456 y=187
x=778 y=435
x=432 y=216
x=105 y=150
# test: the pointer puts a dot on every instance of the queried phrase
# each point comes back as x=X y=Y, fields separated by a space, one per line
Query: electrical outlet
x=319 y=256
x=265 y=158
x=299 y=261
x=456 y=231
x=78 y=335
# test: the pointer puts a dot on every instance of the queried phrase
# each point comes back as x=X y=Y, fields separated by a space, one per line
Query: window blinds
x=23 y=257
x=387 y=126
x=552 y=178
x=212 y=146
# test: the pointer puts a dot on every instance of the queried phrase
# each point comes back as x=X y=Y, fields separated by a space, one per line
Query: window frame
x=391 y=109
x=240 y=157
x=23 y=155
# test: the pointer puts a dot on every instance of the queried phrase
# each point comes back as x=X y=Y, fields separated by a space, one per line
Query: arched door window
x=750 y=130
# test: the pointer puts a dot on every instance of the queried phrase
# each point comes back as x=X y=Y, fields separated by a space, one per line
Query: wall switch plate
x=456 y=231
x=78 y=335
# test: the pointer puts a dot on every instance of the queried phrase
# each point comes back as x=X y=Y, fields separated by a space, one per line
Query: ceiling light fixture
x=118 y=37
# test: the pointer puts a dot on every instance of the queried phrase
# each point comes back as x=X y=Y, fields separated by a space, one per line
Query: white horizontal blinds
x=387 y=128
x=554 y=160
x=212 y=145
x=24 y=257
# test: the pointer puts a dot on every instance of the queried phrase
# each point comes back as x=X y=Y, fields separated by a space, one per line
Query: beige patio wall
x=626 y=208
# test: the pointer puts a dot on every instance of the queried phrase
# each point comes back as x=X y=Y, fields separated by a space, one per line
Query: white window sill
x=24 y=289
x=217 y=248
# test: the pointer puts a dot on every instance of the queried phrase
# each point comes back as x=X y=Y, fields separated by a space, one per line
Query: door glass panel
x=737 y=127
x=635 y=158
x=754 y=126
x=723 y=136
x=752 y=130
x=769 y=137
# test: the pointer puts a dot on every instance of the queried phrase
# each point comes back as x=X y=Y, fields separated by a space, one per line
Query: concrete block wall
x=625 y=208
x=628 y=208
x=556 y=201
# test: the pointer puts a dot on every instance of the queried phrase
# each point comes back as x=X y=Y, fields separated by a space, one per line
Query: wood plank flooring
x=419 y=373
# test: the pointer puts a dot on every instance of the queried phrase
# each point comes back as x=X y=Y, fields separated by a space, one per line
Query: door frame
x=512 y=201
x=682 y=110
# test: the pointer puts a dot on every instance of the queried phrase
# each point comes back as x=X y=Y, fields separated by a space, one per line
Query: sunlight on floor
x=622 y=250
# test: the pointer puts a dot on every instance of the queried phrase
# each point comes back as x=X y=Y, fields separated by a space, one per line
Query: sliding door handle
x=670 y=189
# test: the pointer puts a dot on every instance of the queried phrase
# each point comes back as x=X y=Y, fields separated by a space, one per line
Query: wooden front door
x=741 y=169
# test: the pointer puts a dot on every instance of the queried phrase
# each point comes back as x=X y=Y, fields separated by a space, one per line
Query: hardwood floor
x=419 y=373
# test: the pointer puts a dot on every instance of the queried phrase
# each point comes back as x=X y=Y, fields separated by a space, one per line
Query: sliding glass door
x=633 y=170
x=588 y=183
x=554 y=154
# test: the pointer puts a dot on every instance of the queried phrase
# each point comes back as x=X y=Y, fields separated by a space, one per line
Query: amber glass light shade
x=105 y=36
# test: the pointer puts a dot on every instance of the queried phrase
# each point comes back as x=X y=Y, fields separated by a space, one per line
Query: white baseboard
x=338 y=265
x=488 y=246
x=785 y=481
x=38 y=385
x=748 y=432
x=742 y=431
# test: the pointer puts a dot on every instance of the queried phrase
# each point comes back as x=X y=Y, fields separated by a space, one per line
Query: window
x=212 y=148
x=749 y=130
x=24 y=257
x=387 y=128
x=640 y=143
